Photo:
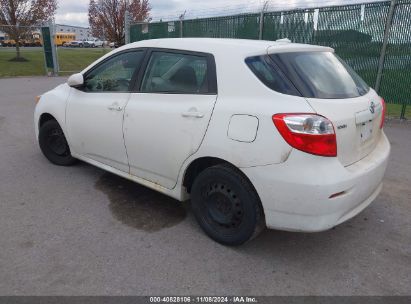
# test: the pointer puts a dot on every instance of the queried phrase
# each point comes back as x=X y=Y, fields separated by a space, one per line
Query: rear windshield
x=320 y=75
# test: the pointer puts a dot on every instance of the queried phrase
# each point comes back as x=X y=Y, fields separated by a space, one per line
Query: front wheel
x=226 y=205
x=54 y=145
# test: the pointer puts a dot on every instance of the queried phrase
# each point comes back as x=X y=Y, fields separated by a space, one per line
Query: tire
x=54 y=145
x=226 y=205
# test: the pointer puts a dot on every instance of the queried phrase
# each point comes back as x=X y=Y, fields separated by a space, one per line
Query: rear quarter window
x=270 y=75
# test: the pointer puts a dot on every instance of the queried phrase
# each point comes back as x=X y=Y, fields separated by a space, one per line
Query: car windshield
x=320 y=75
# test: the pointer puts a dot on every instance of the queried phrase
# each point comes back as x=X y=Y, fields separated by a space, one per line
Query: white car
x=256 y=133
x=76 y=43
x=113 y=45
x=94 y=42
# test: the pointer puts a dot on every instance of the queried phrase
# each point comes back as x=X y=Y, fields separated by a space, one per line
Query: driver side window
x=115 y=74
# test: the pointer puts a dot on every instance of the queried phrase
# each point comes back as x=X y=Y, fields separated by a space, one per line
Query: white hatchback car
x=256 y=133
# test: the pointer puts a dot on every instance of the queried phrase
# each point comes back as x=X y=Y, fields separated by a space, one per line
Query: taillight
x=307 y=132
x=383 y=113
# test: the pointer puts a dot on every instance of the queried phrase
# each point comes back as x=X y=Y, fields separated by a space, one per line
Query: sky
x=74 y=12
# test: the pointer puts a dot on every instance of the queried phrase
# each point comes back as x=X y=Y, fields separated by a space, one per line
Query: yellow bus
x=62 y=38
x=27 y=39
x=35 y=39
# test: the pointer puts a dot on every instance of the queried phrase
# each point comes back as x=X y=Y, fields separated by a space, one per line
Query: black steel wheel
x=54 y=145
x=226 y=205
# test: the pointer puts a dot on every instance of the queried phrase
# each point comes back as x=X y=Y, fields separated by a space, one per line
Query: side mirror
x=76 y=80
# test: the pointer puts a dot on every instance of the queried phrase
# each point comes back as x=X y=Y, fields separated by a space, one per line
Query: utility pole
x=263 y=10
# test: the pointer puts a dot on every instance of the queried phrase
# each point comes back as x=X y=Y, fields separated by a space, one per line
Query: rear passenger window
x=271 y=76
x=176 y=73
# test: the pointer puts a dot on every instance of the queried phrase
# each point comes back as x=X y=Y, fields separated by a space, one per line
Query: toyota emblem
x=372 y=107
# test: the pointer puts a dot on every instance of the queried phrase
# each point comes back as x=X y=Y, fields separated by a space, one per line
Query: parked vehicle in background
x=76 y=43
x=113 y=45
x=94 y=42
x=35 y=40
x=28 y=40
x=64 y=39
x=8 y=42
x=255 y=133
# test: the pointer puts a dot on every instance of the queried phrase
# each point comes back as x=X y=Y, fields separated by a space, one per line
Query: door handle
x=192 y=114
x=115 y=107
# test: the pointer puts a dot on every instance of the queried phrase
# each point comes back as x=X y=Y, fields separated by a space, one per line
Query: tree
x=106 y=17
x=18 y=16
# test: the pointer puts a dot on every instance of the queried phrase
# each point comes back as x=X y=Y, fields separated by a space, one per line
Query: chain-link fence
x=21 y=51
x=374 y=38
x=396 y=75
x=43 y=50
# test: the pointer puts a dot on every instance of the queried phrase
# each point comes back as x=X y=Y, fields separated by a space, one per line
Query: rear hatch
x=336 y=92
x=356 y=122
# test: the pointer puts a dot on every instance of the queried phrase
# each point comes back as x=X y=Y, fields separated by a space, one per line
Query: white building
x=81 y=32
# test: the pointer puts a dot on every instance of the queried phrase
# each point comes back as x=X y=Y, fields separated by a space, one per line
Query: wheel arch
x=44 y=117
x=200 y=164
x=52 y=105
x=44 y=113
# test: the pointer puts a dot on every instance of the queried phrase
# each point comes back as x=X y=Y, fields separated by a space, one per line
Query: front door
x=94 y=115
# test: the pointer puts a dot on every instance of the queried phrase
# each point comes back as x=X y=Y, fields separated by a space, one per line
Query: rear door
x=335 y=91
x=165 y=122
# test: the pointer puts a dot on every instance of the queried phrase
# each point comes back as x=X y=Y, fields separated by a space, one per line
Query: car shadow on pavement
x=140 y=207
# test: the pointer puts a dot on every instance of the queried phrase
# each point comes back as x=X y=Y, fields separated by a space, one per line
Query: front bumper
x=297 y=195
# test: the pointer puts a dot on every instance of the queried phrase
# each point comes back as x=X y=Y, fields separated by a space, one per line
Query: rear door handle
x=192 y=114
x=115 y=107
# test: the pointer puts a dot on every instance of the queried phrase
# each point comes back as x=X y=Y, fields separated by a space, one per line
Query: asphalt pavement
x=81 y=231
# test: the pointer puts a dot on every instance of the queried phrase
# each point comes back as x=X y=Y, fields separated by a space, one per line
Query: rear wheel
x=226 y=205
x=54 y=145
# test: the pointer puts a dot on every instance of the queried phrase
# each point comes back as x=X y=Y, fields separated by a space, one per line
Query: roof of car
x=223 y=45
x=220 y=47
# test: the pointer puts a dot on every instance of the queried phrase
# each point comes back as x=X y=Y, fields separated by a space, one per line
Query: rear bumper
x=296 y=195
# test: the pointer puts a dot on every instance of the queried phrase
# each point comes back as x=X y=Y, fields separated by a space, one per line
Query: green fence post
x=127 y=27
x=181 y=23
x=54 y=49
x=384 y=45
x=402 y=115
x=260 y=34
x=181 y=28
x=48 y=48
